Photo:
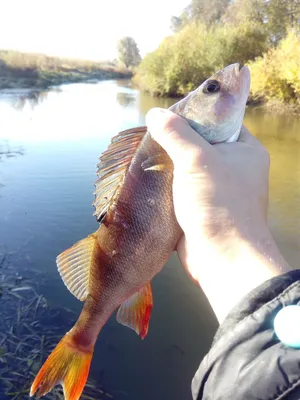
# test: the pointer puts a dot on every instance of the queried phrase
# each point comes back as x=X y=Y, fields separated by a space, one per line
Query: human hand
x=220 y=197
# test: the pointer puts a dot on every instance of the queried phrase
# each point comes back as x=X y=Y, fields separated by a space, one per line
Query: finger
x=173 y=133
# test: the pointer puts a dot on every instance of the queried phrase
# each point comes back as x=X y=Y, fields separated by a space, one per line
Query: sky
x=84 y=28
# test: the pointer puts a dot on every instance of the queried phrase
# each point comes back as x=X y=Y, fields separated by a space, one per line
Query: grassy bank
x=28 y=70
x=29 y=330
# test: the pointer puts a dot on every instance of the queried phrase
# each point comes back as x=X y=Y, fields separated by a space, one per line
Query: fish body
x=138 y=229
x=129 y=245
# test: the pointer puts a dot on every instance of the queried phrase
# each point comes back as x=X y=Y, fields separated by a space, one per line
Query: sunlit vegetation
x=38 y=70
x=128 y=51
x=184 y=60
x=276 y=75
x=210 y=34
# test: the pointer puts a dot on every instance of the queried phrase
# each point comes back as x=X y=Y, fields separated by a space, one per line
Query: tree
x=184 y=60
x=129 y=53
x=242 y=11
x=176 y=23
x=207 y=12
x=274 y=16
x=282 y=15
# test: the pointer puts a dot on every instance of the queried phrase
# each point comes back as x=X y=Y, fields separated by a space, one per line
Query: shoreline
x=270 y=106
x=49 y=80
x=56 y=78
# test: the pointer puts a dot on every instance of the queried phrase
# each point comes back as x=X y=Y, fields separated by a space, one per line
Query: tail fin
x=68 y=365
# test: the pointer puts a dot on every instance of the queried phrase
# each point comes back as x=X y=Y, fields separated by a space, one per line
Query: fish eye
x=211 y=87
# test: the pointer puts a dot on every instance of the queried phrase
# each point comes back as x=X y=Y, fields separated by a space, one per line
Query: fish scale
x=138 y=231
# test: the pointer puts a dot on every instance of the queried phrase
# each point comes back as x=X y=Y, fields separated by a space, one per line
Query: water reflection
x=147 y=102
x=125 y=99
x=124 y=83
x=46 y=207
x=32 y=98
x=279 y=127
x=7 y=150
x=281 y=136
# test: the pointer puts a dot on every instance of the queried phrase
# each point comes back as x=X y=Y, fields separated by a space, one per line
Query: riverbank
x=184 y=60
x=275 y=106
x=28 y=70
x=30 y=328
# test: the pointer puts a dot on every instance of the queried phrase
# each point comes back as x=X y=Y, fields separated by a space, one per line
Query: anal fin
x=74 y=265
x=135 y=312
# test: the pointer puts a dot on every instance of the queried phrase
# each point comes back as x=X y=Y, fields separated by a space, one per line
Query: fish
x=138 y=231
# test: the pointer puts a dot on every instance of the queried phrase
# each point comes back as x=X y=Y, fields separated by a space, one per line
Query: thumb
x=174 y=134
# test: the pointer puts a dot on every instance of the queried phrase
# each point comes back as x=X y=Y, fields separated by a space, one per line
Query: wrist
x=229 y=266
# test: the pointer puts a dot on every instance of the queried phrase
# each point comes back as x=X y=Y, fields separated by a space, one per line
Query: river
x=52 y=142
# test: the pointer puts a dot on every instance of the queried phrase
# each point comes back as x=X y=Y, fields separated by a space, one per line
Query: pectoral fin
x=135 y=312
x=159 y=162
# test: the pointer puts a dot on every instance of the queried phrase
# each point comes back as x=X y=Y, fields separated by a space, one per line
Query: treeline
x=210 y=34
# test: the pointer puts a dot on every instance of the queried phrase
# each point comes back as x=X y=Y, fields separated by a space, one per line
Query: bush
x=276 y=75
x=184 y=60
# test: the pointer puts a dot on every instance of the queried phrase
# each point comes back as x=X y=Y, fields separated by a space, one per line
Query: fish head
x=216 y=108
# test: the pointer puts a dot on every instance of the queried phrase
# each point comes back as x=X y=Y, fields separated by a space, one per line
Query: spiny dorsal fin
x=114 y=163
x=135 y=312
x=74 y=265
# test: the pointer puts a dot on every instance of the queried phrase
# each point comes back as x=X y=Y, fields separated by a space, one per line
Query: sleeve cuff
x=247 y=360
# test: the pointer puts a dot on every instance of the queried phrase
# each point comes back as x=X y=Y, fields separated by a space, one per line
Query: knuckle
x=170 y=124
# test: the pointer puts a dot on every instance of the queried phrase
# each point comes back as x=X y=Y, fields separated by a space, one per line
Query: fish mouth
x=237 y=70
x=245 y=79
x=239 y=79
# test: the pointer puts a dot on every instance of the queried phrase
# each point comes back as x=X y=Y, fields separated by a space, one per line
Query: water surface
x=50 y=144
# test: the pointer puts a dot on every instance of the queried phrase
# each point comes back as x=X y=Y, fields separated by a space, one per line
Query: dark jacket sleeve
x=247 y=360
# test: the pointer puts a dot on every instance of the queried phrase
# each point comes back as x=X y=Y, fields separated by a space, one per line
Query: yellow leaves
x=276 y=75
x=187 y=58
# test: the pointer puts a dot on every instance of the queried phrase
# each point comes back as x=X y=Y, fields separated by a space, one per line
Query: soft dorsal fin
x=135 y=312
x=74 y=265
x=114 y=163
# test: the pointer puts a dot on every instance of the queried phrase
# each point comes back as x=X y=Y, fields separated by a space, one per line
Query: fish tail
x=69 y=365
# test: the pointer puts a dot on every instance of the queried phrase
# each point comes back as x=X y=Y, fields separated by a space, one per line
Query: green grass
x=19 y=70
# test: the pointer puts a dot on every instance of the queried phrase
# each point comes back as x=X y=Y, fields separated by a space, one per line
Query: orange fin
x=74 y=265
x=114 y=163
x=67 y=365
x=135 y=312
